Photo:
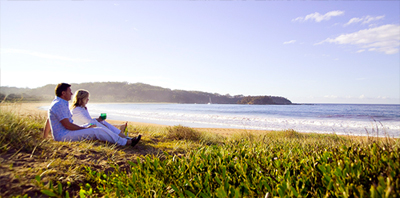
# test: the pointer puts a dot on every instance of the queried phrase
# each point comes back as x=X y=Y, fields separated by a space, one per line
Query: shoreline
x=32 y=109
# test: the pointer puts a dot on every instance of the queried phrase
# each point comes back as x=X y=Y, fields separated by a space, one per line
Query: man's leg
x=97 y=133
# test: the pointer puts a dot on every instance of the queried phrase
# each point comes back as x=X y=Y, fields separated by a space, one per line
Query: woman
x=81 y=116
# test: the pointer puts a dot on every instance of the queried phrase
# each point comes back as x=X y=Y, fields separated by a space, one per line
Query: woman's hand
x=91 y=126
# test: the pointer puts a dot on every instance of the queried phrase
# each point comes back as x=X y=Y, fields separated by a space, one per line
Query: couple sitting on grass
x=76 y=125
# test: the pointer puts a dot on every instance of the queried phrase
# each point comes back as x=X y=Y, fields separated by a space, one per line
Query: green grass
x=19 y=132
x=183 y=162
x=288 y=166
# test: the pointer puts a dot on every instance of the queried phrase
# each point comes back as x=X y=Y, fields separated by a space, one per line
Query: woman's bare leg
x=122 y=127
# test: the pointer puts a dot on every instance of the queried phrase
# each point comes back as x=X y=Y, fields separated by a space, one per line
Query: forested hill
x=139 y=92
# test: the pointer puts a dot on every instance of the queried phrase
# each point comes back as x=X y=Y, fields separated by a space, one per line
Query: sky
x=306 y=51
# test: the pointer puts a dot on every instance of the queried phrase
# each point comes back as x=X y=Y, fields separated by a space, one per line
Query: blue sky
x=306 y=51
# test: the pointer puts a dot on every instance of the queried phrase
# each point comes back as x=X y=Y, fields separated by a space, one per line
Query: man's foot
x=128 y=142
x=136 y=140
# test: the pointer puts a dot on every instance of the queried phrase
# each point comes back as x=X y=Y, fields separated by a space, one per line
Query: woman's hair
x=78 y=98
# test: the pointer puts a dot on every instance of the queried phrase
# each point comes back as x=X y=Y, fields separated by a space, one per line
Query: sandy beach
x=32 y=109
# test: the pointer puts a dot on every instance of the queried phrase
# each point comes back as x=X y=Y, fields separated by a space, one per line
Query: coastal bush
x=186 y=134
x=150 y=131
x=180 y=132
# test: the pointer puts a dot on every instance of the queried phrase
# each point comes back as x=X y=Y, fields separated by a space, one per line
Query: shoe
x=136 y=140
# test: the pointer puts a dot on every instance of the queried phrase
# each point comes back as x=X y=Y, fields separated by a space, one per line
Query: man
x=62 y=128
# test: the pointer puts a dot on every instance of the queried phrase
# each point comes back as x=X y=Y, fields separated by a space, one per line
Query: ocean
x=348 y=119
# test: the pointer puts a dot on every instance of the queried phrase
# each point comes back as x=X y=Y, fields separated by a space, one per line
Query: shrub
x=183 y=133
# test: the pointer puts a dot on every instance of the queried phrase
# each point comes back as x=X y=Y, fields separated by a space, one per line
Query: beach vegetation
x=183 y=162
x=183 y=133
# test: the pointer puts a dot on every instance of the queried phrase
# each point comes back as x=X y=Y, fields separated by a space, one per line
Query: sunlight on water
x=322 y=118
x=355 y=119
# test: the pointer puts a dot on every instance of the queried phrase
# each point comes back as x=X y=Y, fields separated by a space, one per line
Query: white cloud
x=43 y=55
x=364 y=20
x=289 y=42
x=361 y=50
x=385 y=38
x=319 y=17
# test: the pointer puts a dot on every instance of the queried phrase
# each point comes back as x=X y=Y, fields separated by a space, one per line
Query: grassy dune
x=184 y=162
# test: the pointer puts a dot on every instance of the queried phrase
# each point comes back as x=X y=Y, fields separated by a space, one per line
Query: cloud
x=289 y=42
x=319 y=17
x=385 y=38
x=364 y=20
x=43 y=55
x=361 y=50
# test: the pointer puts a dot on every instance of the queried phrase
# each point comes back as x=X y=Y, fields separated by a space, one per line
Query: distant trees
x=18 y=97
x=259 y=100
x=140 y=92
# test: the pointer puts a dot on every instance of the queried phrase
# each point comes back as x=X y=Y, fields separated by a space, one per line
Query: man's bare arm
x=71 y=126
x=46 y=129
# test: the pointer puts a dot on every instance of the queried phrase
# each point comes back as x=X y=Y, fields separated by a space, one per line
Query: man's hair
x=60 y=88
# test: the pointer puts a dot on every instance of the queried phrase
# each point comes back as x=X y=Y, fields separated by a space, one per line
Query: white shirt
x=58 y=111
x=81 y=116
